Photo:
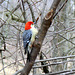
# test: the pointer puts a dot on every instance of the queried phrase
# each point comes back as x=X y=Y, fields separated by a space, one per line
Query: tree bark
x=47 y=21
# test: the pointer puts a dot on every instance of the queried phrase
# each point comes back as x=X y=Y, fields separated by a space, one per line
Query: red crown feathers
x=28 y=25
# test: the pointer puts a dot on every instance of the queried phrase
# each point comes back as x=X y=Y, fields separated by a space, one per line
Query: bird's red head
x=28 y=25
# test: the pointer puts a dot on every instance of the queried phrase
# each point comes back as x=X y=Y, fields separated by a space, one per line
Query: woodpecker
x=29 y=36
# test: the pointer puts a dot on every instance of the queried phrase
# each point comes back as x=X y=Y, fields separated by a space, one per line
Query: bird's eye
x=32 y=24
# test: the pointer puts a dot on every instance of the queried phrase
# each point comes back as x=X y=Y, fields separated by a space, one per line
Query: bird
x=29 y=36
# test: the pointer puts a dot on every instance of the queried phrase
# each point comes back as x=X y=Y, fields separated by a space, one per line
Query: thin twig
x=66 y=39
x=1 y=1
x=32 y=13
x=11 y=64
x=3 y=63
x=23 y=10
x=17 y=72
x=60 y=8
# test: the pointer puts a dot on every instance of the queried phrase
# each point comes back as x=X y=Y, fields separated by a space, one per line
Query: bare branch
x=32 y=13
x=55 y=63
x=3 y=40
x=3 y=63
x=17 y=19
x=66 y=39
x=13 y=10
x=66 y=72
x=56 y=58
x=1 y=1
x=23 y=11
x=2 y=50
x=60 y=8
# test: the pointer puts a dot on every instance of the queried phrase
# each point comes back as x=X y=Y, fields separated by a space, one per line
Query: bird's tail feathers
x=28 y=56
x=26 y=50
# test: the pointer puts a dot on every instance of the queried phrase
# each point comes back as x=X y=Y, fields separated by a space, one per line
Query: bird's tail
x=28 y=56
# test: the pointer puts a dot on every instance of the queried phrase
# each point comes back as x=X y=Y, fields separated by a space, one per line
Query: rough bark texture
x=47 y=21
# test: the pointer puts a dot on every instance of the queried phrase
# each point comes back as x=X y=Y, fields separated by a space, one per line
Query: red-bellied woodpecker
x=29 y=37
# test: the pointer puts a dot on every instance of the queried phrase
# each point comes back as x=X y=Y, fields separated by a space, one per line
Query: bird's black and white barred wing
x=26 y=39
